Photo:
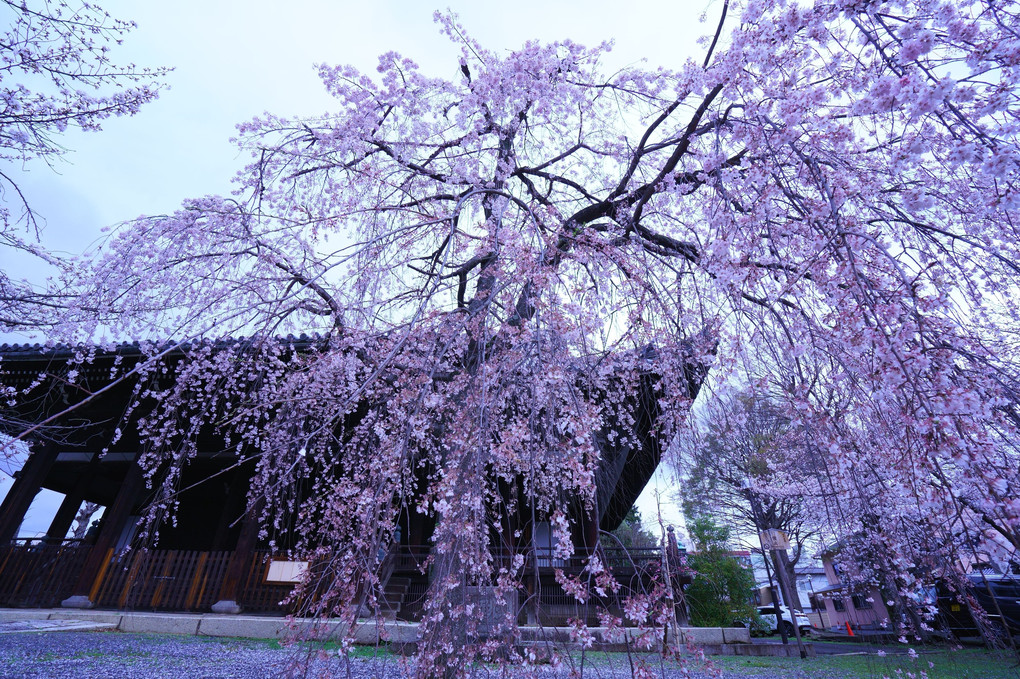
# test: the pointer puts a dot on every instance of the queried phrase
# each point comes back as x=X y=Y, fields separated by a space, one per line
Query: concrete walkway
x=13 y=626
x=713 y=640
x=196 y=624
x=367 y=631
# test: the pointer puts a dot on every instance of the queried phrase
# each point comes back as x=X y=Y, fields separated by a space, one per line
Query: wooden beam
x=27 y=483
x=112 y=527
x=240 y=561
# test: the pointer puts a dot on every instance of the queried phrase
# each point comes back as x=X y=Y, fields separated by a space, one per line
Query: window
x=839 y=605
x=545 y=545
x=861 y=602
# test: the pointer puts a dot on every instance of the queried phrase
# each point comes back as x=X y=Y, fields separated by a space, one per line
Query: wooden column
x=587 y=530
x=239 y=562
x=27 y=483
x=234 y=506
x=110 y=529
x=64 y=517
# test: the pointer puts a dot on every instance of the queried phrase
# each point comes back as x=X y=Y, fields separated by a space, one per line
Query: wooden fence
x=37 y=574
x=41 y=574
x=162 y=580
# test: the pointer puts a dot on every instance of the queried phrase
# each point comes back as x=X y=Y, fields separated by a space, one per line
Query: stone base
x=77 y=601
x=227 y=606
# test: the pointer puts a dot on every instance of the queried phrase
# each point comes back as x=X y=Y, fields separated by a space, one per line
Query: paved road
x=823 y=647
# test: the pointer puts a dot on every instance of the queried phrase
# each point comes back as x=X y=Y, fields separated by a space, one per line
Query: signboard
x=288 y=572
x=773 y=539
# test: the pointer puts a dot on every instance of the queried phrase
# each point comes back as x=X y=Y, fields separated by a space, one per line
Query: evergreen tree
x=721 y=591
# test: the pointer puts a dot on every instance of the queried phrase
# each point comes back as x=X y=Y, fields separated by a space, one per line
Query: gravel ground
x=95 y=655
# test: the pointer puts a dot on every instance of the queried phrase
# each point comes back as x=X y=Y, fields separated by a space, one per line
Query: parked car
x=768 y=616
x=1004 y=597
x=765 y=621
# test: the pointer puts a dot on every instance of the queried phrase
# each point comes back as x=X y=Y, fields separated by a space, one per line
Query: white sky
x=235 y=59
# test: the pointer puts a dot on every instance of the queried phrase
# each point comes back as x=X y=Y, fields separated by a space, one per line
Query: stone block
x=77 y=601
x=149 y=623
x=491 y=610
x=227 y=607
x=18 y=614
x=311 y=629
x=242 y=626
x=109 y=617
x=703 y=635
x=736 y=635
x=370 y=632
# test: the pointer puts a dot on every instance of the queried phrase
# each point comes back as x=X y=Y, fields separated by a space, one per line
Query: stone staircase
x=392 y=597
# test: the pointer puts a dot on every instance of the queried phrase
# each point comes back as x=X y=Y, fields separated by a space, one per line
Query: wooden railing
x=39 y=573
x=162 y=580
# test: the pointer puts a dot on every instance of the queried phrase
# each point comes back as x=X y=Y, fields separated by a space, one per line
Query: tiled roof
x=135 y=347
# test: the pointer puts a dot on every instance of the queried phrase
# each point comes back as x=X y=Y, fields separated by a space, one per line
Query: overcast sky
x=235 y=59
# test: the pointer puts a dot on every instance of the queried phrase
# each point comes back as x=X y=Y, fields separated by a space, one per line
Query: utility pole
x=777 y=542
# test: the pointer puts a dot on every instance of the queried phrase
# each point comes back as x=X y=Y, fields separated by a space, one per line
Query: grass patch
x=332 y=647
x=965 y=664
x=942 y=664
x=52 y=656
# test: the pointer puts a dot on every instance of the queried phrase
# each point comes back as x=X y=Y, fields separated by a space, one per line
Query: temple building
x=84 y=444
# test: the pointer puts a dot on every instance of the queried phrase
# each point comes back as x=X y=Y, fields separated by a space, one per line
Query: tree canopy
x=742 y=463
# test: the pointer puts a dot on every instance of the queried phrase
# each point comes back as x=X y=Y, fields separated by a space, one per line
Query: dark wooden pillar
x=110 y=529
x=27 y=483
x=240 y=560
x=233 y=507
x=587 y=530
x=64 y=517
x=532 y=584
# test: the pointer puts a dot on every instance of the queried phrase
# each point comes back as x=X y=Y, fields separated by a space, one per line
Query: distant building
x=858 y=605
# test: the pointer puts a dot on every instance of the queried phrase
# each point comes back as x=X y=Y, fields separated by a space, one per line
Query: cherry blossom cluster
x=509 y=264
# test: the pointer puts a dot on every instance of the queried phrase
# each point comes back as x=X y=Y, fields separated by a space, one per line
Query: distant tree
x=723 y=586
x=83 y=519
x=746 y=464
x=56 y=73
x=632 y=532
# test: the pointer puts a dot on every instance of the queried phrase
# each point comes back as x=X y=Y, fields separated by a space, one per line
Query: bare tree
x=83 y=519
x=745 y=464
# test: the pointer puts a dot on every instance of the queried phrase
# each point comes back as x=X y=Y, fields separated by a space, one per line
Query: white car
x=768 y=616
